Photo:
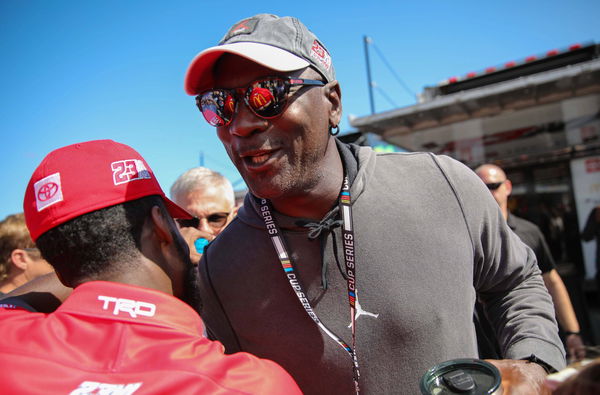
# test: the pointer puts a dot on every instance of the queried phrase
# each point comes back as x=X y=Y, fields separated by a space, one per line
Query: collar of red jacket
x=129 y=303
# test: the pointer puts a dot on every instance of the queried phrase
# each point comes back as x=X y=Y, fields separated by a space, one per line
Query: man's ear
x=334 y=95
x=19 y=258
x=161 y=225
x=508 y=186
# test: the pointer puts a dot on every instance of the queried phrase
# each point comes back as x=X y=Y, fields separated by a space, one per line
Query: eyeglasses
x=266 y=98
x=215 y=221
x=492 y=186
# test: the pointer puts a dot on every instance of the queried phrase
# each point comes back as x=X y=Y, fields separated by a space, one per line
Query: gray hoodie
x=430 y=239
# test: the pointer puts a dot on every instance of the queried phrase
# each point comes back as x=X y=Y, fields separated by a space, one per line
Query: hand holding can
x=462 y=376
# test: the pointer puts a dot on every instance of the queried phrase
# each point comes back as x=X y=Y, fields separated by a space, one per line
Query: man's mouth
x=258 y=158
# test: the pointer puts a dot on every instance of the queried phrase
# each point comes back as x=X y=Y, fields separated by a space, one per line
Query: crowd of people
x=344 y=271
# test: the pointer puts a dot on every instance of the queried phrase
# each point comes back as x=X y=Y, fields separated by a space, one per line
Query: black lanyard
x=266 y=210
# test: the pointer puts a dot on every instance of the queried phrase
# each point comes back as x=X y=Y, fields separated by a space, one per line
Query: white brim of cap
x=199 y=74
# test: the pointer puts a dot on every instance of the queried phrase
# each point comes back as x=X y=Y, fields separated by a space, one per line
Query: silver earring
x=337 y=130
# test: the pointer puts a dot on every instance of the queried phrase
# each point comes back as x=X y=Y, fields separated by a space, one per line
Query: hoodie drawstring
x=329 y=222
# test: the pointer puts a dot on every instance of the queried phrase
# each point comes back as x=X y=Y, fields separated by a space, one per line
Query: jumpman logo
x=359 y=311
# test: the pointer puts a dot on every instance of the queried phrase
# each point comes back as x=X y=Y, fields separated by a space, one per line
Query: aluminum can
x=462 y=376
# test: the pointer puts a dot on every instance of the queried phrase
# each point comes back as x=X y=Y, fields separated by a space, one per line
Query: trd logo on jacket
x=132 y=307
x=92 y=387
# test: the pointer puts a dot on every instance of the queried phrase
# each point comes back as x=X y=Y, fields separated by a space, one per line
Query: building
x=538 y=118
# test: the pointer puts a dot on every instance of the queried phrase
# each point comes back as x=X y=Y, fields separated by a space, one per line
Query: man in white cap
x=416 y=238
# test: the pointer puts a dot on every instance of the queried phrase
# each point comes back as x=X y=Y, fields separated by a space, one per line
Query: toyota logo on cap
x=48 y=191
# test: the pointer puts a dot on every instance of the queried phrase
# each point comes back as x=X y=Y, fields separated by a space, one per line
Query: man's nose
x=245 y=122
x=205 y=227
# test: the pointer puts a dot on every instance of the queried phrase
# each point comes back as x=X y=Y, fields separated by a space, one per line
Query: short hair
x=13 y=234
x=98 y=243
x=201 y=178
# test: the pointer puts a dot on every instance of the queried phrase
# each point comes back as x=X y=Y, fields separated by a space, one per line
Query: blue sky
x=73 y=71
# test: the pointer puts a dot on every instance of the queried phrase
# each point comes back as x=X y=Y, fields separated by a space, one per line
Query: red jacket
x=110 y=338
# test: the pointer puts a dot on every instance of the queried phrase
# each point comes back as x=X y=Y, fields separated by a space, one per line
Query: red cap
x=85 y=177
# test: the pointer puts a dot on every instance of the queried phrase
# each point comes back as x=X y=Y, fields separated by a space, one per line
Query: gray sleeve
x=211 y=309
x=506 y=276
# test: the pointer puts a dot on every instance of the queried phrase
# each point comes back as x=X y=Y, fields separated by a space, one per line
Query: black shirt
x=531 y=235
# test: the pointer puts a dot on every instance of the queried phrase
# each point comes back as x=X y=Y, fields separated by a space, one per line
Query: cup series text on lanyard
x=278 y=241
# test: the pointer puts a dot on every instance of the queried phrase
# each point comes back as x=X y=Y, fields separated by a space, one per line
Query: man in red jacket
x=99 y=216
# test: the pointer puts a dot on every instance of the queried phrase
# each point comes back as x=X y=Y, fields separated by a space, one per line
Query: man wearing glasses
x=209 y=197
x=501 y=187
x=353 y=270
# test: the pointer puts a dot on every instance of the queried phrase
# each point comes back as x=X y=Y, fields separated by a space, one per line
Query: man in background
x=113 y=240
x=591 y=231
x=209 y=197
x=20 y=260
x=501 y=187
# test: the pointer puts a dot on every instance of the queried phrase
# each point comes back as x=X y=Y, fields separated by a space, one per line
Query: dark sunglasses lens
x=267 y=98
x=493 y=186
x=188 y=223
x=217 y=106
x=217 y=220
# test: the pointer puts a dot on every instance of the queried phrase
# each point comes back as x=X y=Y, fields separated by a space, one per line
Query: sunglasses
x=215 y=221
x=266 y=98
x=492 y=186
